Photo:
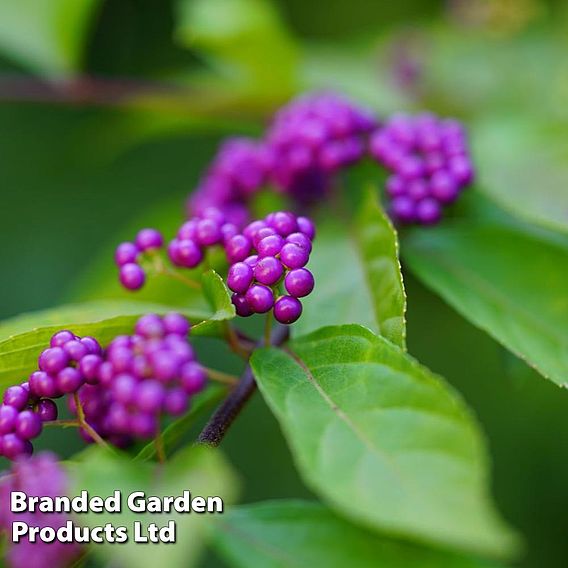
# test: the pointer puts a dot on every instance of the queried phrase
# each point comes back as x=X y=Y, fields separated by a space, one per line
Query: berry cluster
x=39 y=476
x=268 y=253
x=314 y=136
x=64 y=367
x=430 y=165
x=208 y=229
x=128 y=255
x=142 y=376
x=240 y=169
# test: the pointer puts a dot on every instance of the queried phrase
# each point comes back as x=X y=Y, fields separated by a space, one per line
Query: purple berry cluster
x=270 y=253
x=194 y=237
x=128 y=255
x=240 y=169
x=39 y=476
x=430 y=164
x=144 y=375
x=64 y=367
x=313 y=137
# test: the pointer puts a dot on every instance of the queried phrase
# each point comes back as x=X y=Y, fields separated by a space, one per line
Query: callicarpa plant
x=286 y=256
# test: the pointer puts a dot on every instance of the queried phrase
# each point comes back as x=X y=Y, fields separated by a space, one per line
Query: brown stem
x=85 y=425
x=220 y=422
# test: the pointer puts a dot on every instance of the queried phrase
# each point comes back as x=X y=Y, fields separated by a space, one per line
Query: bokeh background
x=111 y=109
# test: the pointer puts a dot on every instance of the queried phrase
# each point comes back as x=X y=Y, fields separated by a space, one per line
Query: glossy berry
x=47 y=410
x=240 y=277
x=149 y=239
x=28 y=425
x=132 y=276
x=53 y=360
x=299 y=282
x=126 y=253
x=268 y=271
x=260 y=298
x=8 y=417
x=287 y=310
x=242 y=306
x=293 y=255
x=16 y=396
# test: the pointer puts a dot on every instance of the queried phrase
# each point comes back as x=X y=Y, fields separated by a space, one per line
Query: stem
x=85 y=425
x=160 y=267
x=235 y=343
x=221 y=377
x=63 y=423
x=160 y=448
x=220 y=422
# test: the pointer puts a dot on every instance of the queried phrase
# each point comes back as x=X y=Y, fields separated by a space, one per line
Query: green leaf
x=523 y=166
x=202 y=471
x=175 y=432
x=24 y=337
x=357 y=275
x=382 y=440
x=509 y=283
x=300 y=534
x=48 y=36
x=245 y=40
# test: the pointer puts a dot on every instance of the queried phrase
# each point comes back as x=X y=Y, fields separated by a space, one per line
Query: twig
x=220 y=377
x=220 y=422
x=85 y=425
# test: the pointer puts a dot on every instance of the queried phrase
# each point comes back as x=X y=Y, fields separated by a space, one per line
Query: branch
x=220 y=422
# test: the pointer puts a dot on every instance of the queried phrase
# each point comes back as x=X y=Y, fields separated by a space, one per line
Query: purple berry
x=13 y=446
x=251 y=260
x=89 y=367
x=149 y=239
x=150 y=326
x=186 y=253
x=287 y=309
x=164 y=365
x=47 y=410
x=61 y=338
x=193 y=378
x=284 y=223
x=444 y=187
x=208 y=232
x=270 y=245
x=301 y=240
x=125 y=253
x=307 y=227
x=240 y=277
x=92 y=345
x=53 y=360
x=75 y=349
x=242 y=306
x=150 y=396
x=294 y=256
x=144 y=425
x=238 y=248
x=69 y=380
x=403 y=209
x=299 y=282
x=260 y=298
x=16 y=396
x=252 y=229
x=176 y=402
x=132 y=276
x=8 y=417
x=28 y=425
x=188 y=230
x=428 y=211
x=124 y=388
x=268 y=270
x=43 y=385
x=175 y=323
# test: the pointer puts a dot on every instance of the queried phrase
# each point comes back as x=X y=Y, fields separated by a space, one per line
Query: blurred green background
x=111 y=109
